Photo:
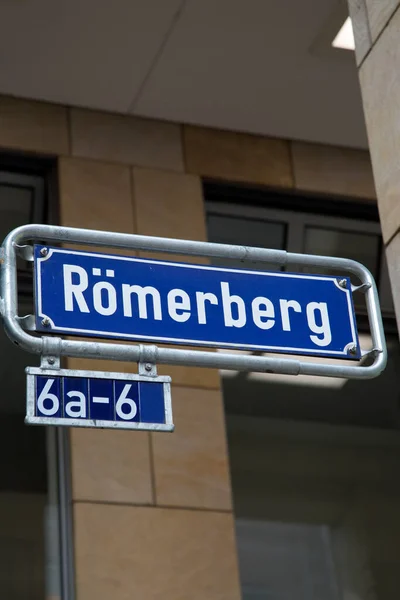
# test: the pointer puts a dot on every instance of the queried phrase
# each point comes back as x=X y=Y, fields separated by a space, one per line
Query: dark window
x=23 y=472
x=245 y=231
x=346 y=230
x=311 y=458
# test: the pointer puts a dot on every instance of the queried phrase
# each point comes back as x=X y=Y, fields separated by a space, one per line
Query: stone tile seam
x=157 y=56
x=184 y=149
x=391 y=238
x=116 y=163
x=69 y=130
x=387 y=20
x=153 y=476
x=227 y=511
x=396 y=10
x=132 y=167
x=292 y=165
x=364 y=4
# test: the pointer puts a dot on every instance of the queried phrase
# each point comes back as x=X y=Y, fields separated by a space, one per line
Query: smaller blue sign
x=95 y=399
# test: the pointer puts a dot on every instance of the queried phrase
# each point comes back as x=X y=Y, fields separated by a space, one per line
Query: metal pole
x=52 y=537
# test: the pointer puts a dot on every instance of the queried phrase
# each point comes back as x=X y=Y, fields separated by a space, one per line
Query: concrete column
x=376 y=26
x=377 y=33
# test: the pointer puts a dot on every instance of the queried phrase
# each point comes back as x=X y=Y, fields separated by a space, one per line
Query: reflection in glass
x=16 y=208
x=363 y=247
x=247 y=232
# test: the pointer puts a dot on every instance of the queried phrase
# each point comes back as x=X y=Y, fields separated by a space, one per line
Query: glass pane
x=373 y=404
x=15 y=206
x=268 y=551
x=247 y=232
x=363 y=247
x=298 y=456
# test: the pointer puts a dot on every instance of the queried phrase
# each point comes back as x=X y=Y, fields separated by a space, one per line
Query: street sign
x=92 y=294
x=97 y=399
x=111 y=296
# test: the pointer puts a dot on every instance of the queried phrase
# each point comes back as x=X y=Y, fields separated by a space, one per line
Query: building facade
x=151 y=515
x=266 y=488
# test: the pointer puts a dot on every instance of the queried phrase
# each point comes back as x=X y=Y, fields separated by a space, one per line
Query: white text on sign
x=146 y=302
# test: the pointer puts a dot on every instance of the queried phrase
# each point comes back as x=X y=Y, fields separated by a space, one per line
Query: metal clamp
x=25 y=252
x=147 y=364
x=51 y=353
x=27 y=322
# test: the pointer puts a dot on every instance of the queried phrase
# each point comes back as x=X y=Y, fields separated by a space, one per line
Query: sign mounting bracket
x=50 y=358
x=147 y=364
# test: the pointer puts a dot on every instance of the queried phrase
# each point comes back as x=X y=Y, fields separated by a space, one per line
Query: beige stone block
x=379 y=13
x=191 y=466
x=380 y=85
x=362 y=34
x=89 y=364
x=126 y=139
x=171 y=205
x=111 y=466
x=95 y=195
x=154 y=554
x=196 y=377
x=33 y=126
x=237 y=156
x=168 y=205
x=333 y=170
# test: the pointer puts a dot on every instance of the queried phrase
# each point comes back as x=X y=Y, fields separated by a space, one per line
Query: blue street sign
x=93 y=294
x=97 y=399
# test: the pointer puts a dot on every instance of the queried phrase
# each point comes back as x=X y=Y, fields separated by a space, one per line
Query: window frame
x=298 y=213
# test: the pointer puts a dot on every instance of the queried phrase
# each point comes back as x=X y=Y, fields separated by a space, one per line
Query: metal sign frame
x=19 y=241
